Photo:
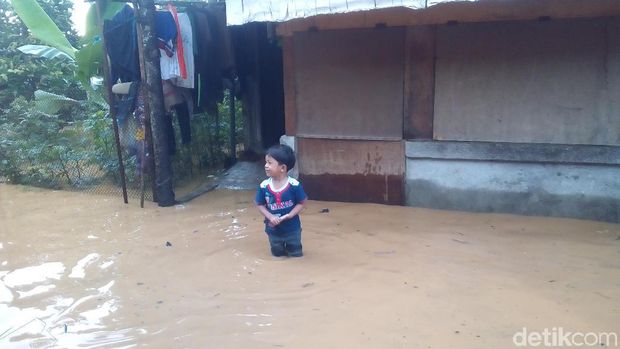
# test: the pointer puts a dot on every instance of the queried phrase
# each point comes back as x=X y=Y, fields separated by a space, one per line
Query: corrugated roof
x=244 y=11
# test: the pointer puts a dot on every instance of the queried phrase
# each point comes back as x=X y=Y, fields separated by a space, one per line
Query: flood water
x=79 y=270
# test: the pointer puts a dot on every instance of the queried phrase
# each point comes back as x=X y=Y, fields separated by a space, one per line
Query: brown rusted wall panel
x=349 y=83
x=352 y=170
x=319 y=156
x=380 y=189
x=288 y=61
x=419 y=82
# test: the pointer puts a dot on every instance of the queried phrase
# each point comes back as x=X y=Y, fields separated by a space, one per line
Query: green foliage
x=41 y=25
x=89 y=54
x=20 y=74
x=52 y=135
x=47 y=102
x=44 y=52
x=70 y=149
x=89 y=58
x=49 y=140
x=210 y=147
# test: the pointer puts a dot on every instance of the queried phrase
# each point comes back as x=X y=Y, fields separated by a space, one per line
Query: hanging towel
x=188 y=56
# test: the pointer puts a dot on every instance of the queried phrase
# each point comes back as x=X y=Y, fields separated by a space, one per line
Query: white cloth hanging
x=188 y=49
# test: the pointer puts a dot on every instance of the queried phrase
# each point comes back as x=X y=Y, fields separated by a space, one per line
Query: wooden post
x=154 y=98
x=108 y=85
x=290 y=107
x=147 y=143
x=233 y=126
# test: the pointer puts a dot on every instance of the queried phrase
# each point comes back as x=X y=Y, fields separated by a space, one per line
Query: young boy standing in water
x=280 y=198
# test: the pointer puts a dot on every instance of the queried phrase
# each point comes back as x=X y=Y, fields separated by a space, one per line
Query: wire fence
x=70 y=145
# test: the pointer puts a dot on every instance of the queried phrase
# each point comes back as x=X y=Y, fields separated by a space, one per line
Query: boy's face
x=273 y=168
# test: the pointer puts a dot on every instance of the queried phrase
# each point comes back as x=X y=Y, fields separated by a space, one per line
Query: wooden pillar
x=251 y=95
x=108 y=86
x=148 y=134
x=290 y=107
x=419 y=82
x=233 y=125
x=154 y=99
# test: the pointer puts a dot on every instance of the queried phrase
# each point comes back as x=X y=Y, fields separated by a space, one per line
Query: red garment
x=180 y=53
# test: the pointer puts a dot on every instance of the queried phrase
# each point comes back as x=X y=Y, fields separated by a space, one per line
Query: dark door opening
x=258 y=56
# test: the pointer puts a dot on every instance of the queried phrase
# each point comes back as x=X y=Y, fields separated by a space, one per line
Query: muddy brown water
x=79 y=270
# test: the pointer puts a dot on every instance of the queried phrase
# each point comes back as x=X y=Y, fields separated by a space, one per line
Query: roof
x=244 y=11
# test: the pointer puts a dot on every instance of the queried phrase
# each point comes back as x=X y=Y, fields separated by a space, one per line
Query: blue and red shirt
x=280 y=201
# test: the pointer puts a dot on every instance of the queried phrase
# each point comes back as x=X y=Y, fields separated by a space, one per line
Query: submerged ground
x=90 y=271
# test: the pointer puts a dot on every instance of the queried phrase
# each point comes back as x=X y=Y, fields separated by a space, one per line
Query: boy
x=280 y=198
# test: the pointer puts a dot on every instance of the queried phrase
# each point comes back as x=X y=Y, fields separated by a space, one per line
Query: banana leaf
x=45 y=52
x=41 y=25
x=51 y=103
x=90 y=56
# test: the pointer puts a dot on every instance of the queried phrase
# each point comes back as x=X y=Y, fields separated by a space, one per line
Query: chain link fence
x=58 y=143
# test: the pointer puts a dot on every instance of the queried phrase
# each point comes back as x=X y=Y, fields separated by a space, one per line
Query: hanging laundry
x=180 y=53
x=122 y=45
x=210 y=89
x=166 y=31
x=179 y=100
x=203 y=47
x=169 y=64
x=185 y=32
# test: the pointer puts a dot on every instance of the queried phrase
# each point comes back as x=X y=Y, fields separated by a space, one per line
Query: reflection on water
x=200 y=275
x=33 y=275
x=78 y=271
x=35 y=291
x=34 y=312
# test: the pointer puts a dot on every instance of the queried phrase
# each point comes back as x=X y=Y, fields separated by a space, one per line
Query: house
x=490 y=106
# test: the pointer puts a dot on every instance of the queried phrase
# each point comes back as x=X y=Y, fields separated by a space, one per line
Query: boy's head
x=283 y=155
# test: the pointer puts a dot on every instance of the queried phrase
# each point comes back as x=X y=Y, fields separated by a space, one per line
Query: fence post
x=154 y=98
x=108 y=85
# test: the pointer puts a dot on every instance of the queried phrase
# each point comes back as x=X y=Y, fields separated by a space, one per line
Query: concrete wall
x=564 y=181
x=537 y=81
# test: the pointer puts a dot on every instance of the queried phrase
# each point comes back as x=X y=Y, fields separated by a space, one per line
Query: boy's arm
x=273 y=220
x=301 y=198
x=295 y=211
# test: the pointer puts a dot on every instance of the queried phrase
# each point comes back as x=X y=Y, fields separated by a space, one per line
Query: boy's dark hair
x=283 y=154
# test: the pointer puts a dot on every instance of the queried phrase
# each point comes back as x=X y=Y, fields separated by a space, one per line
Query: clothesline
x=193 y=3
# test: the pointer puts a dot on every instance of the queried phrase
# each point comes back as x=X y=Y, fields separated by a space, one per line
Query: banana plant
x=51 y=103
x=88 y=58
x=46 y=52
x=41 y=25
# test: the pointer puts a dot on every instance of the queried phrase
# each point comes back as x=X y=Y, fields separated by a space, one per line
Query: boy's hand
x=274 y=220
